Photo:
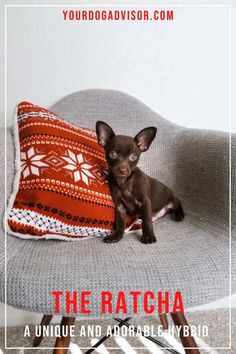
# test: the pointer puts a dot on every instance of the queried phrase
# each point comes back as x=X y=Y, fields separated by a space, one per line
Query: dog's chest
x=129 y=201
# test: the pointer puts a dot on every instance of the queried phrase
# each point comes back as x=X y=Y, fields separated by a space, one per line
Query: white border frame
x=230 y=125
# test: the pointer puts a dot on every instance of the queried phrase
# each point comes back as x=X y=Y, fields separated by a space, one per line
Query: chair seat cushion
x=186 y=257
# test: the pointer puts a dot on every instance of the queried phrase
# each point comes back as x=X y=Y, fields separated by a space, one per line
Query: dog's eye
x=132 y=157
x=113 y=154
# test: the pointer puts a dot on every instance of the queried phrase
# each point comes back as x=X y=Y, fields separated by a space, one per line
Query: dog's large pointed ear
x=145 y=138
x=104 y=133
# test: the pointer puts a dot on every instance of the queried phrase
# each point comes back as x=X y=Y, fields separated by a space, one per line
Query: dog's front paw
x=114 y=237
x=148 y=238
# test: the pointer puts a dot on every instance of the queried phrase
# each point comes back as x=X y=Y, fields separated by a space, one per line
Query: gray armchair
x=191 y=256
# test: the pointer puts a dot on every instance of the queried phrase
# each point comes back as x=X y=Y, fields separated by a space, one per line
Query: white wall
x=179 y=69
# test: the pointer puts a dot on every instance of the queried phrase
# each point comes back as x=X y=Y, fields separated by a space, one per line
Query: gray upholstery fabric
x=191 y=256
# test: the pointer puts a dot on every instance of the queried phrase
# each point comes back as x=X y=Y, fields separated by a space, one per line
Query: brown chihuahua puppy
x=133 y=192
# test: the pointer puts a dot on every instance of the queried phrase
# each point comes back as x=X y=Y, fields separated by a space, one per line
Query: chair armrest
x=2 y=191
x=195 y=164
x=8 y=147
x=233 y=182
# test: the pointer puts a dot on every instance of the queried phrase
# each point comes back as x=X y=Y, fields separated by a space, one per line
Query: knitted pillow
x=61 y=188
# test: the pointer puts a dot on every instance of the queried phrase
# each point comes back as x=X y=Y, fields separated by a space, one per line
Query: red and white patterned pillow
x=61 y=184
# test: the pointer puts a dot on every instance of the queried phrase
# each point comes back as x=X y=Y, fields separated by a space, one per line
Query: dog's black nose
x=122 y=170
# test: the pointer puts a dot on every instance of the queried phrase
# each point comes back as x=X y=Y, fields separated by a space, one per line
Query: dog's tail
x=179 y=212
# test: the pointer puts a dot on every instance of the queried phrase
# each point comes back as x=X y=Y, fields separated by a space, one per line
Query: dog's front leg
x=119 y=229
x=148 y=235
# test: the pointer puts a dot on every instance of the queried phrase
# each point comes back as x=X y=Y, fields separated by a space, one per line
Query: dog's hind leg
x=177 y=209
